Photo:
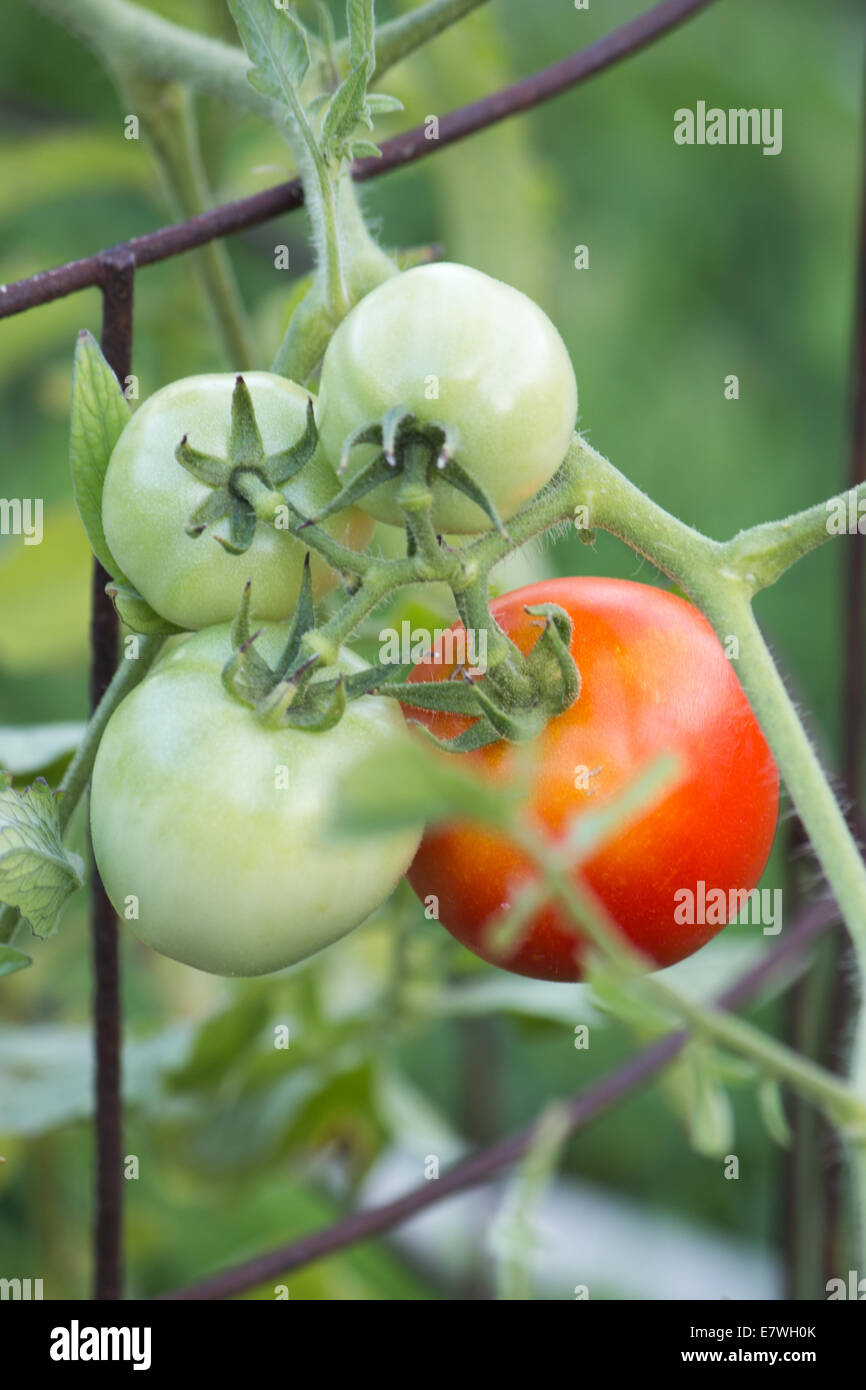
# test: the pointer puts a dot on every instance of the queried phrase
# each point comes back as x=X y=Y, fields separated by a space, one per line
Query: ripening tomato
x=210 y=829
x=654 y=679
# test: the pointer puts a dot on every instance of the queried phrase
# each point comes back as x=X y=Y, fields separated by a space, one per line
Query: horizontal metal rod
x=403 y=149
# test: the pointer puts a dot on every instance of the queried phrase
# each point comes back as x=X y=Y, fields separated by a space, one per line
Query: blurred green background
x=703 y=262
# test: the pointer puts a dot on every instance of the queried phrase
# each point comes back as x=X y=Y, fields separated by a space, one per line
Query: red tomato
x=654 y=679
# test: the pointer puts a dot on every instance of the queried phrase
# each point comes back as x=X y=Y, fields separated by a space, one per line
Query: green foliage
x=47 y=1075
x=35 y=748
x=277 y=47
x=410 y=783
x=685 y=285
x=513 y=1236
x=37 y=874
x=99 y=413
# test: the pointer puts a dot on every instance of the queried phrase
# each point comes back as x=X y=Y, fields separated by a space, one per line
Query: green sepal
x=399 y=433
x=516 y=727
x=215 y=506
x=322 y=713
x=245 y=443
x=396 y=423
x=205 y=468
x=136 y=613
x=303 y=620
x=367 y=434
x=479 y=735
x=554 y=645
x=246 y=675
x=376 y=679
x=246 y=486
x=454 y=473
x=285 y=696
x=280 y=468
x=373 y=474
x=242 y=527
x=452 y=697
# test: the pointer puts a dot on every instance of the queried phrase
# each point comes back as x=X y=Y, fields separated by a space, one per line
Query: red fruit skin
x=654 y=679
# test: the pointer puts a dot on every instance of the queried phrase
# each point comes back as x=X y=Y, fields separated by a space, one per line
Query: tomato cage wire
x=113 y=271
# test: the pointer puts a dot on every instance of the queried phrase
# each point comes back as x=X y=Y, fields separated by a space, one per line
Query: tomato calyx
x=514 y=699
x=420 y=451
x=247 y=486
x=298 y=691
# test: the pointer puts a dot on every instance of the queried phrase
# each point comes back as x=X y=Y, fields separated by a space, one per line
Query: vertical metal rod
x=117 y=293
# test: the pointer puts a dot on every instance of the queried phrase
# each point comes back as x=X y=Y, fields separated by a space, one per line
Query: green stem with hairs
x=147 y=45
x=168 y=120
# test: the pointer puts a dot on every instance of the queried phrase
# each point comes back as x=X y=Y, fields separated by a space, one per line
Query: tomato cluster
x=210 y=822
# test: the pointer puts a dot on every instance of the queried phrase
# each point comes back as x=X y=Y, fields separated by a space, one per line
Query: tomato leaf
x=772 y=1111
x=365 y=149
x=514 y=1235
x=47 y=1075
x=30 y=748
x=276 y=44
x=37 y=874
x=11 y=959
x=380 y=104
x=710 y=1117
x=220 y=1043
x=100 y=412
x=345 y=109
x=362 y=28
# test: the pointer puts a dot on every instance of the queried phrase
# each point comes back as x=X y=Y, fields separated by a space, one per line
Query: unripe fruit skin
x=230 y=872
x=502 y=372
x=148 y=498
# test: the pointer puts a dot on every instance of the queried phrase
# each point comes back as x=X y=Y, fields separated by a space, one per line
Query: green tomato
x=148 y=498
x=210 y=830
x=453 y=345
